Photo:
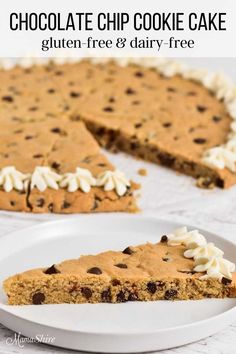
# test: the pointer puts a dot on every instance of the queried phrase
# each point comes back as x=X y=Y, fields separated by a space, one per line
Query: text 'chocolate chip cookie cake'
x=53 y=116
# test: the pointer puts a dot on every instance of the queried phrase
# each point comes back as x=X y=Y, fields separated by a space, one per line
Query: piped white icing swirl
x=113 y=180
x=11 y=179
x=81 y=179
x=43 y=177
x=207 y=251
x=215 y=267
x=207 y=257
x=190 y=239
x=221 y=157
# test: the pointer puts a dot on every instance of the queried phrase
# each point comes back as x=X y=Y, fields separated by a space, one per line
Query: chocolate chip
x=166 y=259
x=134 y=145
x=37 y=156
x=121 y=265
x=101 y=164
x=216 y=119
x=74 y=94
x=58 y=72
x=38 y=298
x=139 y=74
x=16 y=119
x=108 y=109
x=49 y=114
x=28 y=137
x=7 y=98
x=134 y=137
x=128 y=250
x=56 y=130
x=55 y=165
x=75 y=118
x=138 y=125
x=66 y=108
x=40 y=202
x=65 y=205
x=133 y=297
x=27 y=71
x=120 y=297
x=171 y=89
x=52 y=270
x=33 y=108
x=111 y=100
x=50 y=207
x=170 y=294
x=167 y=125
x=12 y=203
x=226 y=281
x=94 y=270
x=166 y=159
x=164 y=238
x=201 y=109
x=100 y=131
x=86 y=292
x=51 y=91
x=199 y=140
x=115 y=282
x=106 y=295
x=220 y=183
x=130 y=91
x=18 y=131
x=152 y=287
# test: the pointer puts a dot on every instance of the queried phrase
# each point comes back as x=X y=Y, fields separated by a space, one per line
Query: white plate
x=112 y=328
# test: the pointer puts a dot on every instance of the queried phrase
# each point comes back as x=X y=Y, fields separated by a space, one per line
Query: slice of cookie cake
x=59 y=167
x=182 y=266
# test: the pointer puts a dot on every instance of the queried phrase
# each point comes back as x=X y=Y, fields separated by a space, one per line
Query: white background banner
x=170 y=28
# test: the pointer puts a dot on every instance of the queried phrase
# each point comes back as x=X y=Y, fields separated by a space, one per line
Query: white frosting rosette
x=11 y=179
x=207 y=257
x=81 y=179
x=43 y=177
x=113 y=180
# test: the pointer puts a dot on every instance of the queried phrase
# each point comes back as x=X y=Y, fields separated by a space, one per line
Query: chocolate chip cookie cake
x=53 y=115
x=50 y=151
x=182 y=266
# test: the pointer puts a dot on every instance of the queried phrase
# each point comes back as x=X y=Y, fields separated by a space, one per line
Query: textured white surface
x=166 y=195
